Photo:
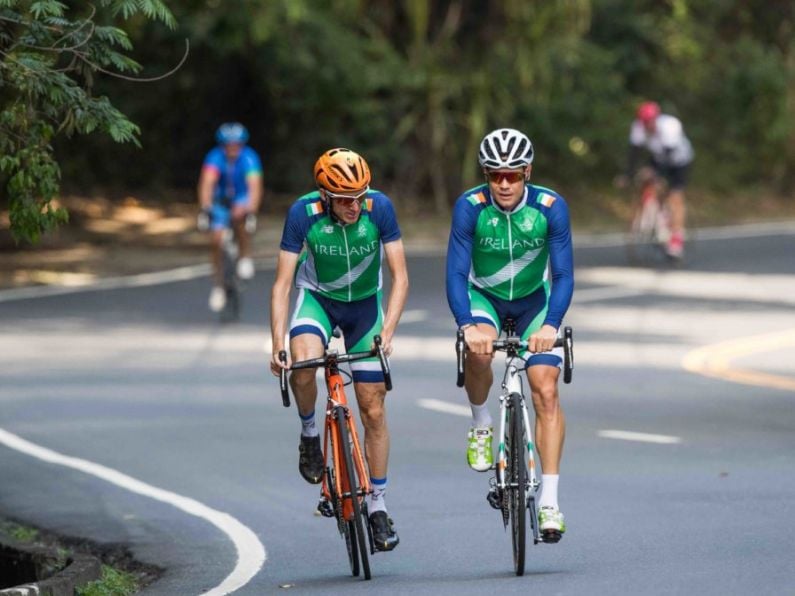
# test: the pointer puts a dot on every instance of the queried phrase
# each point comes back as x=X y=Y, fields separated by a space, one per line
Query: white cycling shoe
x=217 y=300
x=245 y=268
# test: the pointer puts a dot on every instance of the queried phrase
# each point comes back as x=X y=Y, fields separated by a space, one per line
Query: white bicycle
x=513 y=488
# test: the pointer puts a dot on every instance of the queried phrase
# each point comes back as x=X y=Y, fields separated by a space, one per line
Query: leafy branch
x=48 y=61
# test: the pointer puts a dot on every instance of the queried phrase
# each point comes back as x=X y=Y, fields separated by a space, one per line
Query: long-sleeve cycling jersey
x=507 y=254
x=342 y=261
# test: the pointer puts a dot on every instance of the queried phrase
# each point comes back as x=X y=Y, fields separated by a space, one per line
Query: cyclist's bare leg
x=303 y=382
x=376 y=434
x=216 y=256
x=239 y=223
x=676 y=207
x=478 y=375
x=550 y=426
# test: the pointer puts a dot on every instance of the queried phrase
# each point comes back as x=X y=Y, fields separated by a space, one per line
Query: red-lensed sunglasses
x=348 y=200
x=511 y=177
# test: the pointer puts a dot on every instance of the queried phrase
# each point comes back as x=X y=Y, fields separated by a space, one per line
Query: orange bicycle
x=346 y=480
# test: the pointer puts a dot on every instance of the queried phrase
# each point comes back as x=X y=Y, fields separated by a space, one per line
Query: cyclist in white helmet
x=510 y=256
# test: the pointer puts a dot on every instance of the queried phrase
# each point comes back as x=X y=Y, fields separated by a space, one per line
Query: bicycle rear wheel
x=517 y=474
x=355 y=525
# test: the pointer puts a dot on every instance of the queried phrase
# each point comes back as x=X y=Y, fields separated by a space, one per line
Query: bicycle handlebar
x=337 y=359
x=516 y=343
x=283 y=380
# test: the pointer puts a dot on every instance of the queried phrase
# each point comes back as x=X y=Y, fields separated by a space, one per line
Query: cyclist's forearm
x=633 y=158
x=255 y=192
x=280 y=297
x=205 y=189
x=395 y=304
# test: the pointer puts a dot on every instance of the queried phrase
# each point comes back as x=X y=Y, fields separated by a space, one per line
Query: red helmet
x=648 y=111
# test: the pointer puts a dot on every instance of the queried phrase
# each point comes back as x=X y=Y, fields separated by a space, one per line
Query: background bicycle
x=512 y=490
x=650 y=228
x=233 y=284
x=346 y=480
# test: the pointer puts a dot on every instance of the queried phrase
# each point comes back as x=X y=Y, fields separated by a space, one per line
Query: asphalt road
x=144 y=382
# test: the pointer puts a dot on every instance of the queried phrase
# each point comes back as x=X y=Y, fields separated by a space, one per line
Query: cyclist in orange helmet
x=332 y=245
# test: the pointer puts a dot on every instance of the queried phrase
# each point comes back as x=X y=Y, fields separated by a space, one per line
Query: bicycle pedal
x=324 y=508
x=494 y=499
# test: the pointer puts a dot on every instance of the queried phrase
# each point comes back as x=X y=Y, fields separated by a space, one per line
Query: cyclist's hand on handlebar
x=277 y=365
x=543 y=340
x=203 y=220
x=386 y=342
x=477 y=341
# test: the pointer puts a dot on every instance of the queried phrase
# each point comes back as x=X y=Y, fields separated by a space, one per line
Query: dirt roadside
x=107 y=238
x=111 y=238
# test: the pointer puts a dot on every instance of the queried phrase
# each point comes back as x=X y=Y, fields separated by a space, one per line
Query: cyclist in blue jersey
x=509 y=256
x=230 y=191
x=331 y=248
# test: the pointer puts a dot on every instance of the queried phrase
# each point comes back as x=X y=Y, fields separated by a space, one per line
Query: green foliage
x=413 y=85
x=112 y=583
x=21 y=533
x=49 y=58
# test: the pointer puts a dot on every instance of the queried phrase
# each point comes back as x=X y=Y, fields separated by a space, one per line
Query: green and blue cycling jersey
x=506 y=255
x=339 y=273
x=342 y=261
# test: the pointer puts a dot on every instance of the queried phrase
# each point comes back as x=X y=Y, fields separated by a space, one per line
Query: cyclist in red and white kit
x=663 y=137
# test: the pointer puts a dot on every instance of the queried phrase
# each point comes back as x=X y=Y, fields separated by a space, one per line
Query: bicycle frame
x=345 y=482
x=336 y=397
x=512 y=384
x=512 y=489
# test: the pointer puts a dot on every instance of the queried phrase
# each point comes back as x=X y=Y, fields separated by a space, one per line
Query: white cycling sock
x=481 y=416
x=375 y=500
x=549 y=491
x=308 y=426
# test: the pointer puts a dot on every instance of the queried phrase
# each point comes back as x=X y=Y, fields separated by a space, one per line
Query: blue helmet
x=231 y=132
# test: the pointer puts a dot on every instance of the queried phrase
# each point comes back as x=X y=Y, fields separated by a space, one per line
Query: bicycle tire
x=517 y=473
x=336 y=505
x=643 y=245
x=357 y=522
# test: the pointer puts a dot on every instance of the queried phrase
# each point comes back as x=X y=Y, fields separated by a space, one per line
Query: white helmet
x=505 y=148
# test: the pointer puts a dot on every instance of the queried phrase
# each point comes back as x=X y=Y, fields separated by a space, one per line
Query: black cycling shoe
x=384 y=536
x=310 y=459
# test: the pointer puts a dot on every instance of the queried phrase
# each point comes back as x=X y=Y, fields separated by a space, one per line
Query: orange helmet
x=342 y=170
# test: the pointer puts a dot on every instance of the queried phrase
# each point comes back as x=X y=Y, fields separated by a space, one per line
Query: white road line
x=604 y=293
x=753 y=230
x=445 y=406
x=251 y=554
x=627 y=435
x=109 y=283
x=414 y=316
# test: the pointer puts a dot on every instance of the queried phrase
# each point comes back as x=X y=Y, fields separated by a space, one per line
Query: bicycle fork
x=498 y=495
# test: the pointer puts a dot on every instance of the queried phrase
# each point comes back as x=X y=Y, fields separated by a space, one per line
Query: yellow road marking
x=716 y=360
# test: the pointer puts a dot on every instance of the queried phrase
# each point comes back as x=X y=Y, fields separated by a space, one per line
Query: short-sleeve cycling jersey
x=341 y=261
x=507 y=254
x=668 y=144
x=232 y=184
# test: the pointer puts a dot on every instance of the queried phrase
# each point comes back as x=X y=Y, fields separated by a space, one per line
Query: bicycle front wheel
x=357 y=523
x=642 y=244
x=517 y=474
